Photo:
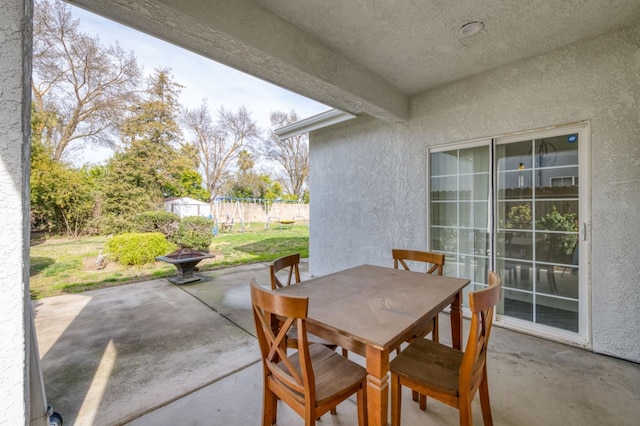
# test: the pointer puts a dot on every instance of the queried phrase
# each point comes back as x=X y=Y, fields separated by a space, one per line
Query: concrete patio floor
x=154 y=353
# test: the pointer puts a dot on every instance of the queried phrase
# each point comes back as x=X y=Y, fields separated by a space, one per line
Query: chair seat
x=334 y=374
x=430 y=363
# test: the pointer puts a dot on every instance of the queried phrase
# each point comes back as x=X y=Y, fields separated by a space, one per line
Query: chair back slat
x=401 y=256
x=482 y=304
x=292 y=264
x=274 y=315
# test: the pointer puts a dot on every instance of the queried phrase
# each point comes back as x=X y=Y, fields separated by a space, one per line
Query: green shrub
x=109 y=224
x=157 y=221
x=194 y=232
x=138 y=248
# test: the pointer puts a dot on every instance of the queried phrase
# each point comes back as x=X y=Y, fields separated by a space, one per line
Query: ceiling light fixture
x=471 y=28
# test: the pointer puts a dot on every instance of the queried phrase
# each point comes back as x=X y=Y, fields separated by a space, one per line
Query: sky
x=203 y=78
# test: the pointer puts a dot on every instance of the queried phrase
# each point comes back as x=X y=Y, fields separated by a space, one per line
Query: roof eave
x=318 y=121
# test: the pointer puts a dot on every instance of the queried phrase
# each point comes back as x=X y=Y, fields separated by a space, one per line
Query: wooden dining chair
x=400 y=257
x=312 y=380
x=291 y=265
x=435 y=264
x=436 y=260
x=448 y=374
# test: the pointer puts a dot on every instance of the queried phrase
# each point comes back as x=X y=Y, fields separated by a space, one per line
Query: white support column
x=15 y=305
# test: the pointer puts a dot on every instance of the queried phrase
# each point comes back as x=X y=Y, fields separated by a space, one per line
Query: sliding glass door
x=514 y=205
x=460 y=211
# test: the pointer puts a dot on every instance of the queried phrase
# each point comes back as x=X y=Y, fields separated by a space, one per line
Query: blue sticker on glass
x=572 y=138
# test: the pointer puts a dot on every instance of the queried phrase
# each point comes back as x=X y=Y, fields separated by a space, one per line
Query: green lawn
x=68 y=266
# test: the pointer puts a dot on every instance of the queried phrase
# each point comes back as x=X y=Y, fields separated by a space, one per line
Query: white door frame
x=582 y=129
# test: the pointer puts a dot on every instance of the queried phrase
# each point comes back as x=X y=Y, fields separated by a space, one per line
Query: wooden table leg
x=456 y=321
x=377 y=386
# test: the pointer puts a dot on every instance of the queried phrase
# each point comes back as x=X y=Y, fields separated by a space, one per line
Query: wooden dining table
x=372 y=310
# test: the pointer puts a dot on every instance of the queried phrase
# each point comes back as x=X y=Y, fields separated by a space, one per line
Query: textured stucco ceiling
x=415 y=45
x=367 y=56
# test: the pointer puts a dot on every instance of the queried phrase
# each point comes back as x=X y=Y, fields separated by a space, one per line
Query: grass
x=60 y=266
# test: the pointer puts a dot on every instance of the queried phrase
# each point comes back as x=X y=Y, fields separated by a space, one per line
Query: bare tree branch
x=292 y=154
x=83 y=87
x=219 y=145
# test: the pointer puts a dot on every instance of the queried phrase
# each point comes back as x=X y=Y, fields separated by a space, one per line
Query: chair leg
x=484 y=401
x=309 y=419
x=423 y=402
x=334 y=411
x=361 y=396
x=465 y=413
x=274 y=420
x=419 y=397
x=310 y=416
x=435 y=334
x=269 y=408
x=396 y=399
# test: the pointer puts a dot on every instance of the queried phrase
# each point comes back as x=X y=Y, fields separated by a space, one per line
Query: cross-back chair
x=401 y=256
x=312 y=380
x=436 y=260
x=447 y=374
x=434 y=264
x=291 y=264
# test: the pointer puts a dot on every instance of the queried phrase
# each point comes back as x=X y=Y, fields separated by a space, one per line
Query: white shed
x=186 y=206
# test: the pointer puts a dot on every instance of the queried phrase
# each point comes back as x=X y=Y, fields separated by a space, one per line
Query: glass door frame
x=478 y=281
x=583 y=337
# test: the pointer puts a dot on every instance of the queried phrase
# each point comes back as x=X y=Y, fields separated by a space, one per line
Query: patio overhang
x=233 y=33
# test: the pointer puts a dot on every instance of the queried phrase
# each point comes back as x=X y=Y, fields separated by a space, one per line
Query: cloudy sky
x=202 y=77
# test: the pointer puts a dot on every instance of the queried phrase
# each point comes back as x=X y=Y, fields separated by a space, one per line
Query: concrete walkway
x=153 y=353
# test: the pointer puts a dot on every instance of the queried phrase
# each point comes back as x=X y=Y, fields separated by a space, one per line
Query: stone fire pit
x=185 y=261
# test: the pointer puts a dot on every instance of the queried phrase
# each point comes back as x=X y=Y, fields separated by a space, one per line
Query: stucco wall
x=366 y=195
x=375 y=172
x=15 y=72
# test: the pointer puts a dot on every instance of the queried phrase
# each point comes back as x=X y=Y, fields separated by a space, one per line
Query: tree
x=154 y=120
x=247 y=183
x=218 y=145
x=80 y=87
x=153 y=164
x=62 y=198
x=558 y=244
x=128 y=187
x=245 y=161
x=188 y=183
x=292 y=154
